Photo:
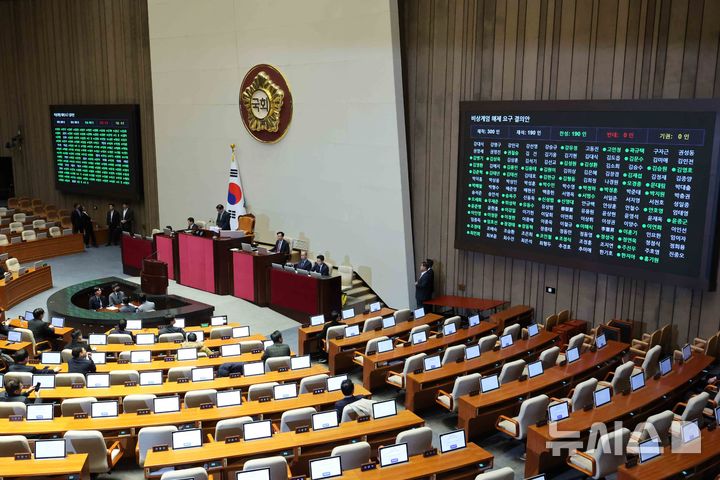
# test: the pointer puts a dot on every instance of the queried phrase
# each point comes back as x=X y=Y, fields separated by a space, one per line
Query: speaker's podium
x=154 y=277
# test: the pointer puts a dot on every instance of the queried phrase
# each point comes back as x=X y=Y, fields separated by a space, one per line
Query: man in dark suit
x=126 y=218
x=320 y=266
x=304 y=263
x=223 y=218
x=348 y=388
x=281 y=245
x=278 y=348
x=170 y=327
x=122 y=329
x=76 y=219
x=97 y=301
x=192 y=226
x=425 y=284
x=41 y=330
x=113 y=223
x=87 y=228
x=81 y=361
x=21 y=359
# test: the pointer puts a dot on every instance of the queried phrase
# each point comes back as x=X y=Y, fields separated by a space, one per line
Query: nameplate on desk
x=593 y=348
x=460 y=360
x=235 y=375
x=232 y=439
x=123 y=361
x=563 y=363
x=225 y=337
x=15 y=418
x=131 y=384
x=371 y=352
x=255 y=350
x=474 y=393
x=439 y=335
x=339 y=337
x=656 y=376
x=587 y=408
x=496 y=348
x=377 y=329
x=264 y=399
x=143 y=411
x=205 y=406
x=430 y=453
x=363 y=418
x=183 y=380
x=80 y=416
x=368 y=466
x=177 y=341
x=299 y=477
x=541 y=423
x=522 y=378
x=214 y=355
x=169 y=359
x=129 y=343
x=23 y=456
x=33 y=362
x=160 y=448
x=282 y=369
x=77 y=385
x=318 y=391
x=631 y=461
x=418 y=371
x=303 y=429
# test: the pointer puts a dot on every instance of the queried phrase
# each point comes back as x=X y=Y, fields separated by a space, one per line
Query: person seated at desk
x=334 y=322
x=281 y=245
x=192 y=226
x=192 y=342
x=13 y=392
x=126 y=307
x=347 y=387
x=171 y=328
x=320 y=266
x=76 y=340
x=304 y=263
x=117 y=295
x=97 y=301
x=145 y=304
x=81 y=362
x=21 y=358
x=223 y=218
x=41 y=330
x=278 y=348
x=122 y=329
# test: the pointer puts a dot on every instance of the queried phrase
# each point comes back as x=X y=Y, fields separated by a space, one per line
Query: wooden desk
x=171 y=346
x=569 y=329
x=251 y=275
x=522 y=314
x=377 y=366
x=25 y=286
x=657 y=395
x=166 y=247
x=189 y=328
x=130 y=423
x=206 y=262
x=73 y=464
x=14 y=347
x=170 y=388
x=463 y=464
x=681 y=463
x=132 y=252
x=45 y=248
x=342 y=351
x=467 y=303
x=478 y=414
x=421 y=388
x=309 y=336
x=233 y=455
x=64 y=333
x=298 y=296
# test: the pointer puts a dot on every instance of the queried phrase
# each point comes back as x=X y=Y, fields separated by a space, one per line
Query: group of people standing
x=116 y=221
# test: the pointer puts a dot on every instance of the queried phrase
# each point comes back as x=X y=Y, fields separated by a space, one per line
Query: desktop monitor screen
x=649 y=449
x=431 y=363
x=384 y=409
x=374 y=307
x=665 y=365
x=51 y=358
x=419 y=337
x=490 y=383
x=449 y=329
x=558 y=411
x=189 y=438
x=28 y=316
x=537 y=477
x=298 y=363
x=134 y=324
x=200 y=335
x=602 y=397
x=104 y=409
x=97 y=339
x=140 y=356
x=241 y=332
x=229 y=398
x=253 y=368
x=323 y=420
x=267 y=343
x=285 y=390
x=46 y=381
x=166 y=404
x=600 y=341
x=230 y=350
x=535 y=369
x=690 y=431
x=533 y=330
x=97 y=380
x=474 y=320
x=187 y=354
x=348 y=313
x=388 y=322
x=385 y=346
x=40 y=411
x=506 y=341
x=58 y=322
x=14 y=336
x=145 y=338
x=352 y=331
x=180 y=322
x=419 y=313
x=317 y=320
x=325 y=468
x=259 y=474
x=472 y=351
x=201 y=374
x=450 y=441
x=572 y=354
x=257 y=430
x=218 y=320
x=637 y=381
x=98 y=358
x=50 y=449
x=153 y=377
x=686 y=352
x=393 y=454
x=334 y=383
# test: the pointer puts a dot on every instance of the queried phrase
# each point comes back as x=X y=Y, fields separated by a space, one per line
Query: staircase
x=359 y=294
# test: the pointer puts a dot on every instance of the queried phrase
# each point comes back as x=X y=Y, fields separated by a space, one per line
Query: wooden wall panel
x=457 y=50
x=73 y=52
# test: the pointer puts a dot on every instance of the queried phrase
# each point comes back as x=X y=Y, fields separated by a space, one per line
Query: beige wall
x=338 y=179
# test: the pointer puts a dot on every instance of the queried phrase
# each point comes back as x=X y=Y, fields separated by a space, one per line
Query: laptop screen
x=450 y=441
x=388 y=322
x=40 y=411
x=229 y=398
x=490 y=383
x=46 y=381
x=333 y=383
x=384 y=409
x=431 y=363
x=532 y=330
x=153 y=377
x=558 y=411
x=316 y=320
x=323 y=420
x=166 y=404
x=259 y=474
x=29 y=316
x=393 y=454
x=352 y=331
x=14 y=336
x=665 y=365
x=140 y=356
x=97 y=339
x=98 y=358
x=449 y=329
x=189 y=438
x=230 y=350
x=419 y=313
x=241 y=332
x=374 y=307
x=104 y=409
x=286 y=390
x=97 y=380
x=649 y=449
x=690 y=431
x=686 y=352
x=385 y=346
x=134 y=325
x=253 y=368
x=348 y=313
x=535 y=369
x=637 y=381
x=472 y=351
x=267 y=343
x=145 y=338
x=602 y=396
x=257 y=430
x=218 y=320
x=187 y=354
x=419 y=337
x=600 y=341
x=50 y=449
x=325 y=468
x=506 y=341
x=199 y=334
x=202 y=374
x=58 y=322
x=474 y=320
x=50 y=358
x=572 y=354
x=298 y=363
x=180 y=322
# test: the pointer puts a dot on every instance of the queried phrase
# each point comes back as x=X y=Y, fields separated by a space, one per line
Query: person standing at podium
x=321 y=267
x=223 y=218
x=281 y=245
x=304 y=263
